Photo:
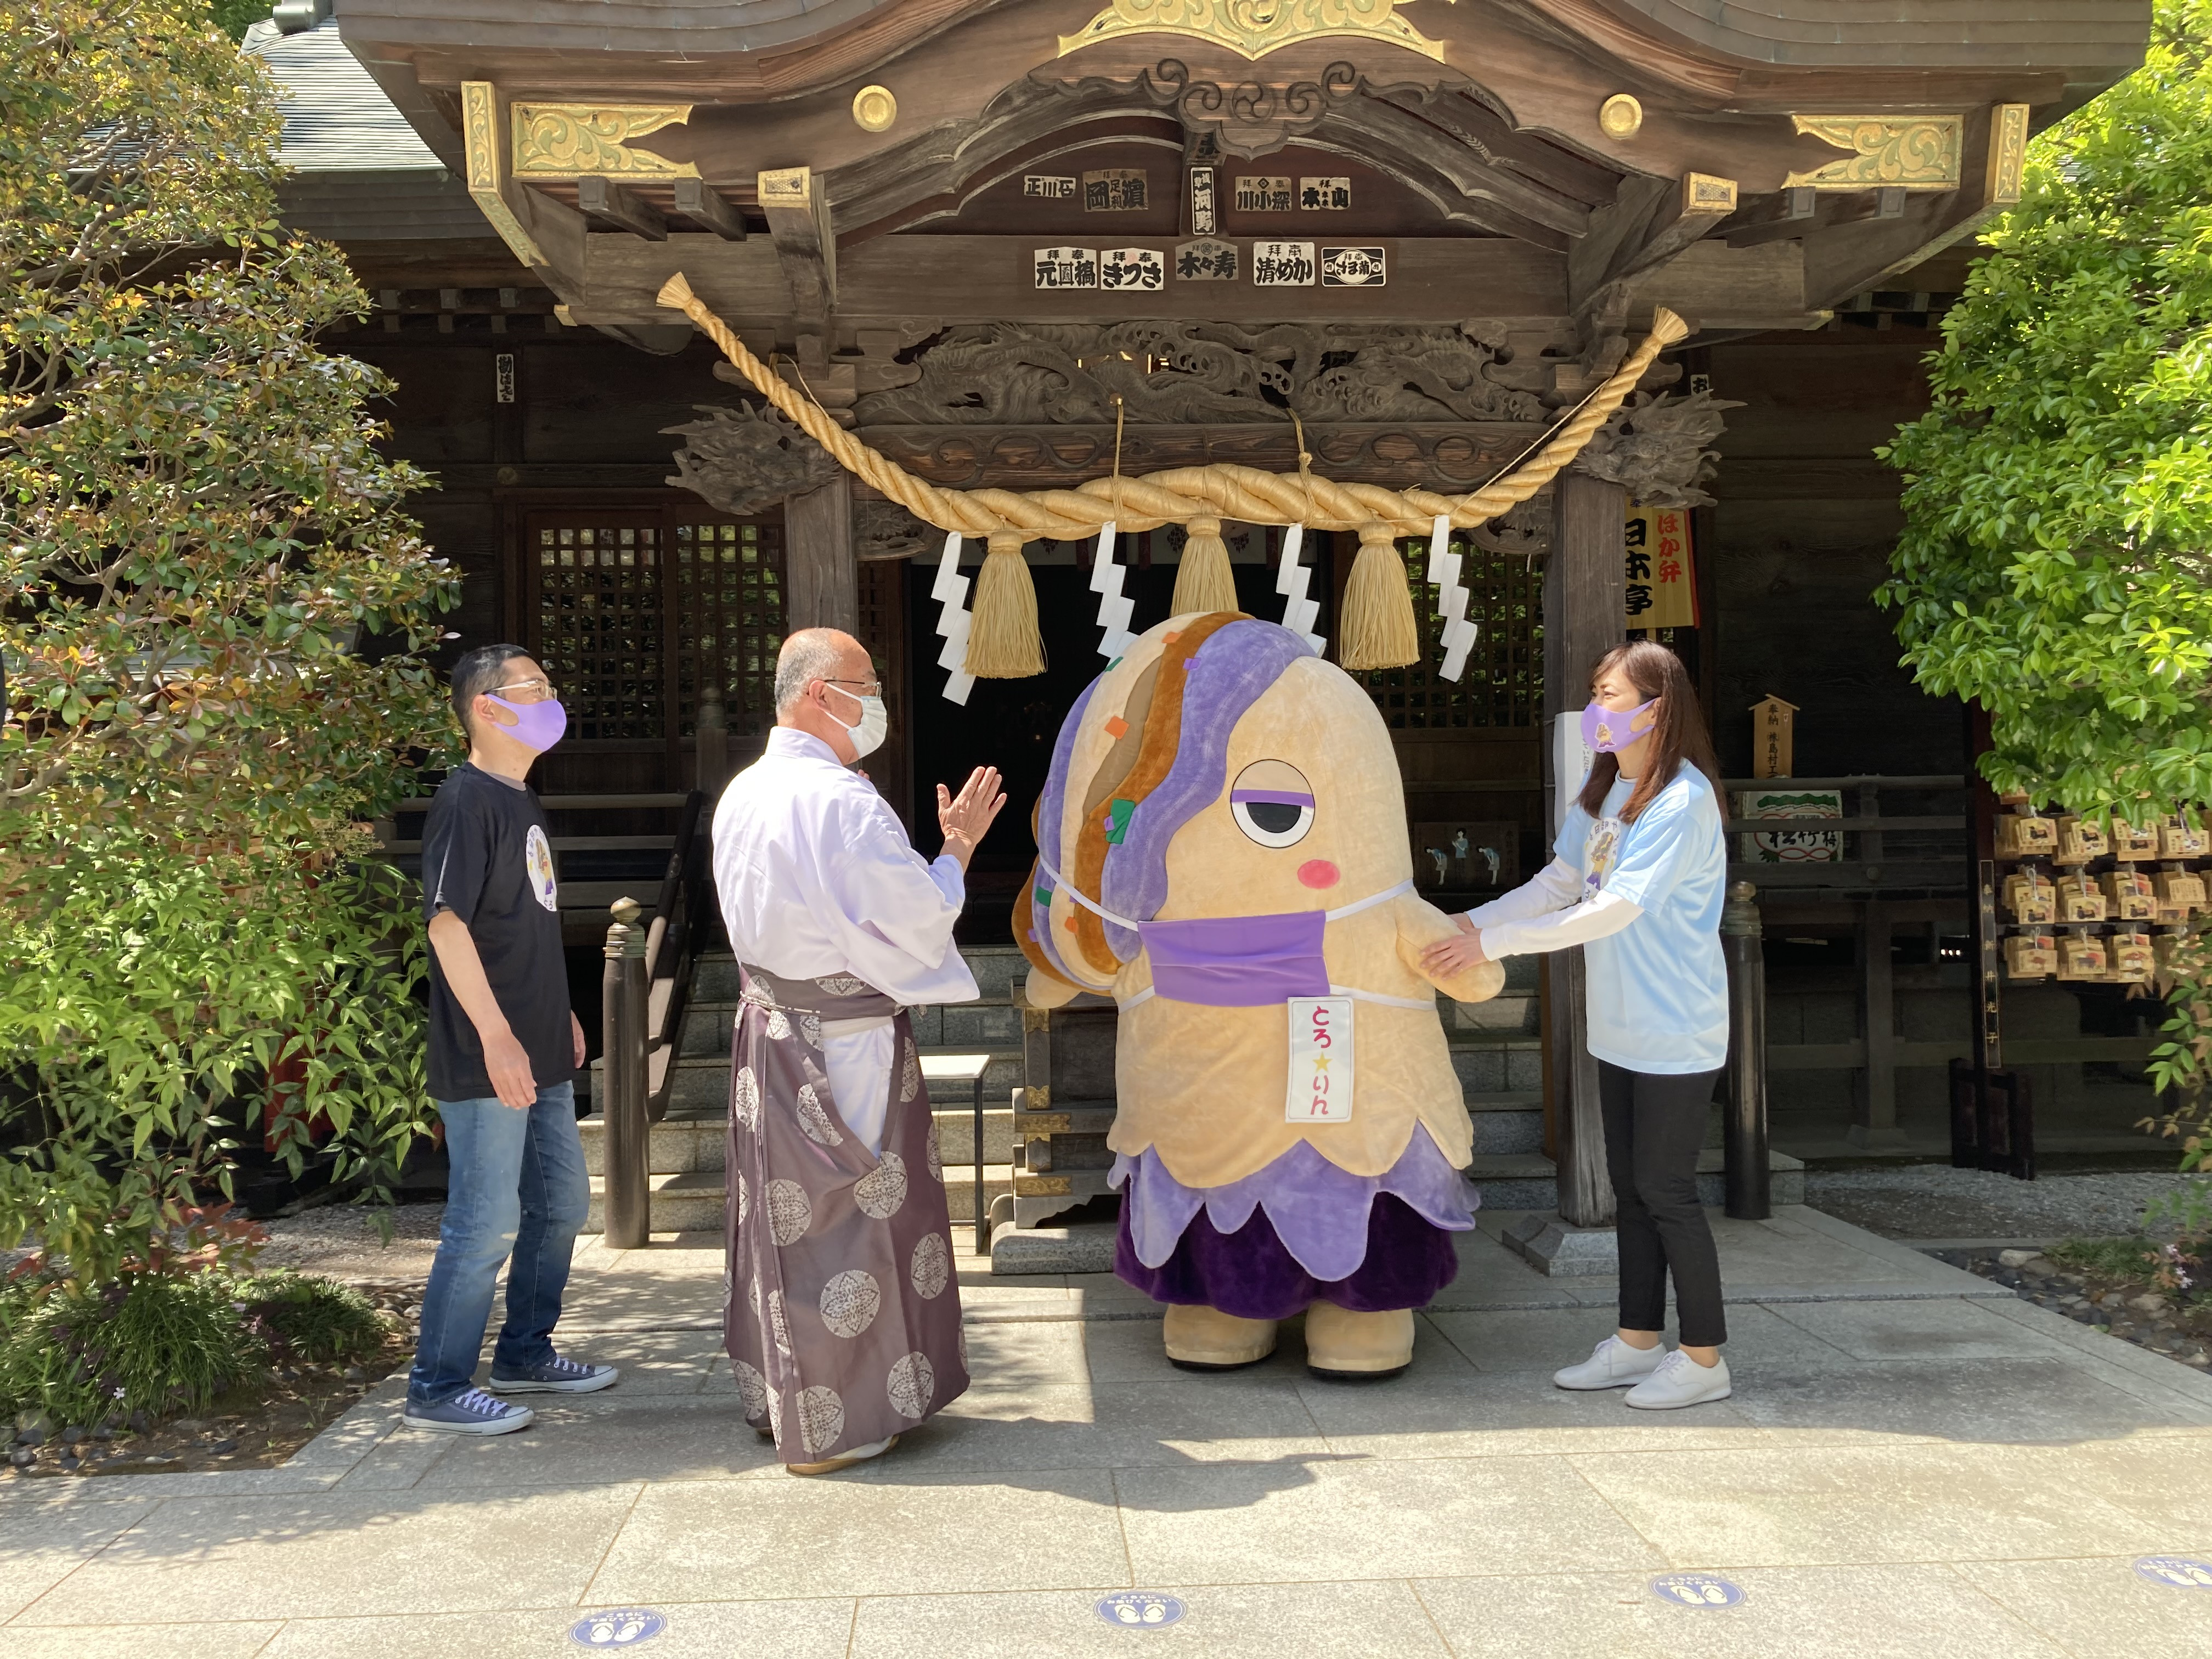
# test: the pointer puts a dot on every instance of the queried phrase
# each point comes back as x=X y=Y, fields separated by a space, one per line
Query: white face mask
x=875 y=721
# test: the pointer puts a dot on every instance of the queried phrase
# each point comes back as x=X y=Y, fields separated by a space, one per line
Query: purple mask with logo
x=1607 y=731
x=537 y=726
x=1237 y=962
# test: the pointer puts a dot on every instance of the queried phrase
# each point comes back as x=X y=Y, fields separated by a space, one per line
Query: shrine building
x=1031 y=244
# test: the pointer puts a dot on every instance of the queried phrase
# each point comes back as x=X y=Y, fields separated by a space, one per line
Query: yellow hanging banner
x=1662 y=582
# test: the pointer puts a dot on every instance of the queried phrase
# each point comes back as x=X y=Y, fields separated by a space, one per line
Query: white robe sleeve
x=895 y=911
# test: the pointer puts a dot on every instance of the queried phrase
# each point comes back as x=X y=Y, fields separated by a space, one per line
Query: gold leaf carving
x=2007 y=151
x=1906 y=152
x=480 y=134
x=1253 y=28
x=574 y=141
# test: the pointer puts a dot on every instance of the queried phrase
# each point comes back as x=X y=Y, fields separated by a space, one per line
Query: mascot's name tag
x=1320 y=1060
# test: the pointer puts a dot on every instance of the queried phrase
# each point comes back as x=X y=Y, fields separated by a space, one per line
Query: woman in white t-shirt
x=1638 y=875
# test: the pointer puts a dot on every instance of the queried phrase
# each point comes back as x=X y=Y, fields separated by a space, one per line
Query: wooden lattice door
x=632 y=609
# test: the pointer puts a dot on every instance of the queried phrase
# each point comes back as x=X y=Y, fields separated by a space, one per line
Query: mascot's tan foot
x=1357 y=1347
x=1201 y=1339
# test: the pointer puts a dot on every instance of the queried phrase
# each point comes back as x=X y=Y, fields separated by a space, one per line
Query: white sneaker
x=1611 y=1365
x=1680 y=1381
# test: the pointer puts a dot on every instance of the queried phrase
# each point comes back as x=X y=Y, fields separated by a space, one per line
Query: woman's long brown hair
x=1679 y=735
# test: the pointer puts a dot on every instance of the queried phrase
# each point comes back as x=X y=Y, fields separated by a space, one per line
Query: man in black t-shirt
x=504 y=1049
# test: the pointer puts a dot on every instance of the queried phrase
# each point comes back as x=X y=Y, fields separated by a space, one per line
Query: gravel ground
x=1934 y=1200
x=340 y=1240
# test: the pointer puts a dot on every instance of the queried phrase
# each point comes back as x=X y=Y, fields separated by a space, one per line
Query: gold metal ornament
x=1253 y=28
x=874 y=109
x=1900 y=152
x=1620 y=116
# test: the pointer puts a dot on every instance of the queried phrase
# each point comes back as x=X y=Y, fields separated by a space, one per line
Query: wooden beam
x=708 y=209
x=617 y=204
x=1788 y=213
x=1585 y=604
x=799 y=224
x=1648 y=222
x=958 y=279
x=821 y=574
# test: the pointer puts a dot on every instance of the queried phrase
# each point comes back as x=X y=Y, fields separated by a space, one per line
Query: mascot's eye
x=1272 y=803
x=1273 y=818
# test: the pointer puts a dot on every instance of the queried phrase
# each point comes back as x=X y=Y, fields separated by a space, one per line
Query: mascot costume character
x=1222 y=849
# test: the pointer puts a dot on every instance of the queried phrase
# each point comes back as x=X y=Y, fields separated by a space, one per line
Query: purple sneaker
x=555 y=1376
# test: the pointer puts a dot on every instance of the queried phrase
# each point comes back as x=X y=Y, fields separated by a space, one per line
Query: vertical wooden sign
x=1662 y=580
x=1773 y=737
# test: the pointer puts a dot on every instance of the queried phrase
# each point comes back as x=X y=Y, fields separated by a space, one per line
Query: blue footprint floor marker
x=2175 y=1571
x=1696 y=1589
x=1139 y=1610
x=617 y=1627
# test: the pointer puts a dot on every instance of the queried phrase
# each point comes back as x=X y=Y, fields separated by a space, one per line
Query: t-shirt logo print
x=1600 y=852
x=538 y=857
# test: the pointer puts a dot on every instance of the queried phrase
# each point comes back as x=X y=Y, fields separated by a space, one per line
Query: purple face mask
x=1607 y=731
x=1237 y=962
x=537 y=726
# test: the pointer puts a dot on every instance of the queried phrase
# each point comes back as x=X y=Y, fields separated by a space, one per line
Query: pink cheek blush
x=1319 y=873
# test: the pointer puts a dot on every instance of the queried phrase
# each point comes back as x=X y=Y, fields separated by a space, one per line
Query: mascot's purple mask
x=537 y=726
x=1607 y=731
x=1237 y=962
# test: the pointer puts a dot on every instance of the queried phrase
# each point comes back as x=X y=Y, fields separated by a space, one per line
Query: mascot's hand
x=1447 y=955
x=1043 y=991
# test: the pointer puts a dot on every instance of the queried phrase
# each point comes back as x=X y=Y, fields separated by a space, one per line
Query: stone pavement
x=1914 y=1464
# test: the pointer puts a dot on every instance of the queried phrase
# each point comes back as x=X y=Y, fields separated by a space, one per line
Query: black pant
x=1653 y=1125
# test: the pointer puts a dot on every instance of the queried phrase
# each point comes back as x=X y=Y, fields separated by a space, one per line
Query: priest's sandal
x=1680 y=1381
x=1202 y=1338
x=843 y=1460
x=1611 y=1365
x=1345 y=1347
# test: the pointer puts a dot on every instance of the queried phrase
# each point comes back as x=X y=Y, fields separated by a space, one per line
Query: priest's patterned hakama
x=843 y=1317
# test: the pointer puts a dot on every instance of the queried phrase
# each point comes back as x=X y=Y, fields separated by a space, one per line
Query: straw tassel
x=1378 y=628
x=1003 y=641
x=1203 y=581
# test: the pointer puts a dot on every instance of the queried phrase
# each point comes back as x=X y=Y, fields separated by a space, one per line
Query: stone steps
x=693 y=1201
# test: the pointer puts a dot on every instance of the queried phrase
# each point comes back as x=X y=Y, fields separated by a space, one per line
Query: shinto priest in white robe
x=842 y=1324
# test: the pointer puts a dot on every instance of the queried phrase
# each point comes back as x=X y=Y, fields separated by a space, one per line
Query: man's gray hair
x=812 y=654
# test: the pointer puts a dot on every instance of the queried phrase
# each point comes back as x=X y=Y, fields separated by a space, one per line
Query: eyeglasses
x=868 y=688
x=541 y=686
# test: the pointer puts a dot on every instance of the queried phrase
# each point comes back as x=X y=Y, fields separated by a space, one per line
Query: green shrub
x=2105 y=1258
x=308 y=1317
x=153 y=1342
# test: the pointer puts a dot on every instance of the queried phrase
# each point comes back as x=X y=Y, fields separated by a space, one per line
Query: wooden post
x=1875 y=1119
x=1744 y=1125
x=711 y=735
x=821 y=574
x=1585 y=599
x=628 y=1220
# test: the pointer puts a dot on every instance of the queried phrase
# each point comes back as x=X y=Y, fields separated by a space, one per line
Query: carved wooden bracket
x=1248 y=118
x=742 y=461
x=1656 y=448
x=798 y=221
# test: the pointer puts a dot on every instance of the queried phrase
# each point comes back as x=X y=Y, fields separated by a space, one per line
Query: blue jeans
x=516 y=1186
